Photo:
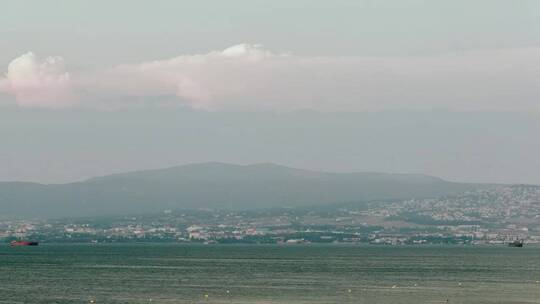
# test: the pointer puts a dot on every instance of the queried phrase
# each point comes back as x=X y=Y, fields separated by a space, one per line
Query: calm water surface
x=149 y=273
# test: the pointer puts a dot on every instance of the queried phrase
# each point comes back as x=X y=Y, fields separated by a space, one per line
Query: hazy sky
x=448 y=88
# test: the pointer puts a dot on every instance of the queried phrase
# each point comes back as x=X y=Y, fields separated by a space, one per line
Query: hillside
x=214 y=185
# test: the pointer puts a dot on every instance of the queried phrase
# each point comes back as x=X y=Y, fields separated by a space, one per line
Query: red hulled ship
x=23 y=243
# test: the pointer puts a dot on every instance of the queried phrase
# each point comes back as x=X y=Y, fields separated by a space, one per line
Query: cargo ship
x=23 y=243
x=516 y=243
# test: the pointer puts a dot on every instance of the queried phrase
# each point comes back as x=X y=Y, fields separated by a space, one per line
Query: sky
x=446 y=88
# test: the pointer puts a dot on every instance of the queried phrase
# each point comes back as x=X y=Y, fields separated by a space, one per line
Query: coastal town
x=490 y=215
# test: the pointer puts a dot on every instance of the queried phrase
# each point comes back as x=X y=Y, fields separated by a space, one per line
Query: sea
x=301 y=273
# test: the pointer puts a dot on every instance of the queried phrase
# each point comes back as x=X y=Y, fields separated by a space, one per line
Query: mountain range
x=214 y=185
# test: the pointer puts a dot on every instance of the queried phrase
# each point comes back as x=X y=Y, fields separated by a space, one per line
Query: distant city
x=496 y=215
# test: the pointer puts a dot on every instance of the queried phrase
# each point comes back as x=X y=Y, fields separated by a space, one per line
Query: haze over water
x=154 y=273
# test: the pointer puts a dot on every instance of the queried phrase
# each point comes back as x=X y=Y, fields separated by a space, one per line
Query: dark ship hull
x=515 y=244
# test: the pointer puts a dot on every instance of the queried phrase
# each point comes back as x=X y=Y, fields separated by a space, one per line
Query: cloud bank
x=248 y=76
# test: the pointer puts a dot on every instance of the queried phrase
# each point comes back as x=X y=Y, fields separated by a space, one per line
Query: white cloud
x=210 y=81
x=247 y=76
x=36 y=82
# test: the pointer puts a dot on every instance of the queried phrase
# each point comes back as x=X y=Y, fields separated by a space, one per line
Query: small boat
x=23 y=243
x=516 y=243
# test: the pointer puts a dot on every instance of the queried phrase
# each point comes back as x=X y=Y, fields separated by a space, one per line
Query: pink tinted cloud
x=36 y=82
x=247 y=76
